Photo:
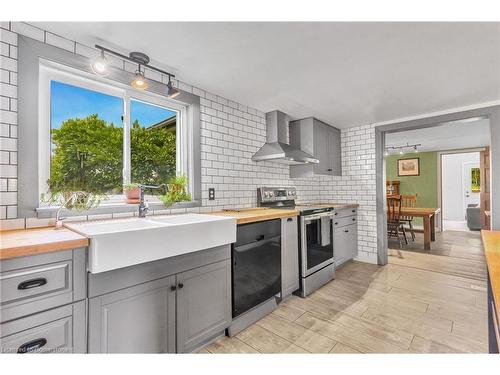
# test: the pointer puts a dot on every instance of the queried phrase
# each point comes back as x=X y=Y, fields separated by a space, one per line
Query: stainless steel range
x=315 y=235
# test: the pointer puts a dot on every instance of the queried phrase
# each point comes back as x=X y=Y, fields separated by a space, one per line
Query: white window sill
x=113 y=208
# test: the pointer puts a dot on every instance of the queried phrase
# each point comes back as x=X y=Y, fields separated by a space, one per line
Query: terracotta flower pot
x=133 y=195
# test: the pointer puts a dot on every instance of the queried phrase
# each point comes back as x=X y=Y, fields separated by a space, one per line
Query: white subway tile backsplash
x=4 y=76
x=28 y=30
x=7 y=144
x=12 y=224
x=4 y=103
x=8 y=117
x=32 y=222
x=8 y=37
x=8 y=198
x=8 y=90
x=60 y=42
x=11 y=212
x=8 y=171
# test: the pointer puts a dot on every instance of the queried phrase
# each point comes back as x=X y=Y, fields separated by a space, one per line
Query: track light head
x=139 y=82
x=172 y=92
x=100 y=65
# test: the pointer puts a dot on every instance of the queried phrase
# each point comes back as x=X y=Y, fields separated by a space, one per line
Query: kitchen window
x=102 y=136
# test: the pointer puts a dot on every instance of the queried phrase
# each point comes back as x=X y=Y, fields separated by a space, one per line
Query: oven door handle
x=308 y=219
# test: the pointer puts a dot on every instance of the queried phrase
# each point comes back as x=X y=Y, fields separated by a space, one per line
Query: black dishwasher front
x=256 y=264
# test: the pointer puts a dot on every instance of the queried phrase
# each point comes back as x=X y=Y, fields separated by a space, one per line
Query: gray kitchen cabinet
x=289 y=256
x=138 y=319
x=345 y=244
x=59 y=330
x=322 y=141
x=36 y=283
x=166 y=306
x=345 y=236
x=203 y=304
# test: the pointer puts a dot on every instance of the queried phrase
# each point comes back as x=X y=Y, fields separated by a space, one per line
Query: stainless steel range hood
x=276 y=148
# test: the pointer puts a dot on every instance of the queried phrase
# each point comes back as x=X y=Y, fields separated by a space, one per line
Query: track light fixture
x=401 y=149
x=100 y=67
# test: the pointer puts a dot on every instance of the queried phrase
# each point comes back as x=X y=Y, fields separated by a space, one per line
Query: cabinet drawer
x=36 y=283
x=338 y=222
x=60 y=330
x=345 y=212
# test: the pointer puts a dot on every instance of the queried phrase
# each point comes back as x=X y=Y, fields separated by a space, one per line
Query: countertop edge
x=42 y=246
x=246 y=217
x=491 y=245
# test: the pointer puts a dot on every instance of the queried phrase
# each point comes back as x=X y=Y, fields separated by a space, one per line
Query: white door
x=471 y=183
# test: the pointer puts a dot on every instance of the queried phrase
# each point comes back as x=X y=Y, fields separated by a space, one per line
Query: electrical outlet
x=211 y=194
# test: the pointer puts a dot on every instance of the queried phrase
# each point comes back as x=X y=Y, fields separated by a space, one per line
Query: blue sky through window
x=148 y=114
x=69 y=101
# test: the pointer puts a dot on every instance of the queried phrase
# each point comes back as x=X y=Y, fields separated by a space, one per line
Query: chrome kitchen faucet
x=143 y=206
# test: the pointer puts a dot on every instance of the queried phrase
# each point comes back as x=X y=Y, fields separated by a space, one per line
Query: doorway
x=431 y=123
x=460 y=191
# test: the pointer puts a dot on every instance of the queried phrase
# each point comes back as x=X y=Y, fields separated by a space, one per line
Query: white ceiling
x=346 y=74
x=449 y=136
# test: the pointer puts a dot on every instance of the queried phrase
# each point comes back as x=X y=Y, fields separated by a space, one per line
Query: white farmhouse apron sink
x=127 y=242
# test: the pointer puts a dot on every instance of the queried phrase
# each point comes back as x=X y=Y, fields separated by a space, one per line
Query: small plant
x=130 y=186
x=132 y=192
x=71 y=195
x=177 y=191
x=74 y=200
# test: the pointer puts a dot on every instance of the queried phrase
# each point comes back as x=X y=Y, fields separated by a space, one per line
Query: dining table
x=429 y=219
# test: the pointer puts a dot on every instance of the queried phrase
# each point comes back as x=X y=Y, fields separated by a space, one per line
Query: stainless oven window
x=316 y=254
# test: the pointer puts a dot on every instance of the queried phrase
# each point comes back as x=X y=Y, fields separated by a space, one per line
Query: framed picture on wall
x=409 y=167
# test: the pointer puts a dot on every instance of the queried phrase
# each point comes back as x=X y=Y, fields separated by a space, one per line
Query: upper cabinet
x=322 y=141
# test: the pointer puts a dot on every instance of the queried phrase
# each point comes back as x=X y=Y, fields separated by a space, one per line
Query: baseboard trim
x=365 y=259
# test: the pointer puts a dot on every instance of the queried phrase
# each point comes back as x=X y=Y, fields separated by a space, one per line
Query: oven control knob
x=290 y=192
x=271 y=194
x=266 y=194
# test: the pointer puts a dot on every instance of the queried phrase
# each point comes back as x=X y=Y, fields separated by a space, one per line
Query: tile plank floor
x=421 y=302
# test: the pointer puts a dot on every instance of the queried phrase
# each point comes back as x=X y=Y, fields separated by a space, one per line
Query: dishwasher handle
x=261 y=241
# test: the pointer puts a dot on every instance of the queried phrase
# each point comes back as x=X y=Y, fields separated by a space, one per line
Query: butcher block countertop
x=252 y=215
x=491 y=244
x=24 y=242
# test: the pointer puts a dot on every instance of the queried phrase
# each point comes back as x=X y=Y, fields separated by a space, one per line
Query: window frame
x=50 y=71
x=30 y=53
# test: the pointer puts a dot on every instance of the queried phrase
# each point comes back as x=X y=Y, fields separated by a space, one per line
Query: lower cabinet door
x=203 y=304
x=352 y=240
x=340 y=250
x=59 y=330
x=345 y=244
x=138 y=319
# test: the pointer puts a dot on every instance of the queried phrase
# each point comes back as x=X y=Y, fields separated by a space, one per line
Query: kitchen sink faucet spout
x=143 y=206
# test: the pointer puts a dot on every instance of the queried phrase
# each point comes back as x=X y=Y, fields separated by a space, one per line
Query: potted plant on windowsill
x=177 y=191
x=71 y=200
x=132 y=192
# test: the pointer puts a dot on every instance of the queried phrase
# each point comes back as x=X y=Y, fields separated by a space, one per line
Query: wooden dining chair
x=409 y=201
x=394 y=226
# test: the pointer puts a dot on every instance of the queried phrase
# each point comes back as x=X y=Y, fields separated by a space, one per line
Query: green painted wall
x=424 y=185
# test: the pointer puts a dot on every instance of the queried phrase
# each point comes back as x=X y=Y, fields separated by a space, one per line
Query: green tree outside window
x=475 y=180
x=88 y=156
